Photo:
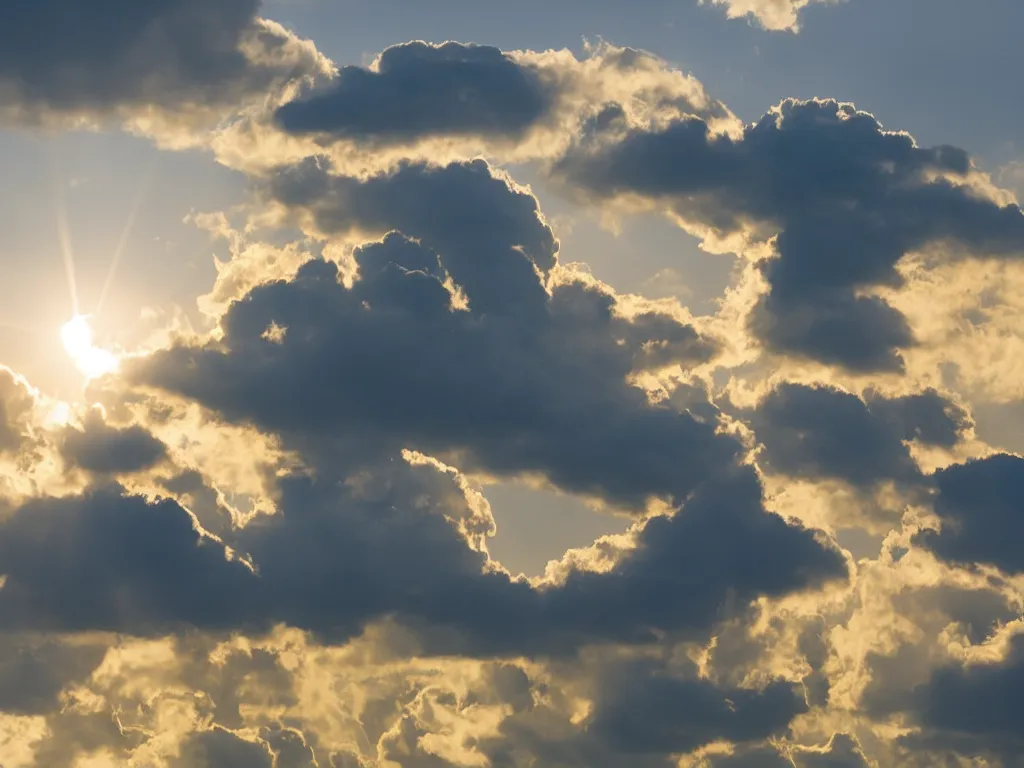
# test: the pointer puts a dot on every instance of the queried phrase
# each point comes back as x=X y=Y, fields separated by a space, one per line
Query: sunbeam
x=64 y=234
x=67 y=255
x=115 y=261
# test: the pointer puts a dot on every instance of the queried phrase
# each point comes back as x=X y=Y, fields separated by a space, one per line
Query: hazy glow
x=77 y=336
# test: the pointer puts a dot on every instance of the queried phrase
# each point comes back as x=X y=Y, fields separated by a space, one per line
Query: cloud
x=774 y=15
x=34 y=671
x=482 y=225
x=974 y=709
x=220 y=748
x=169 y=63
x=521 y=382
x=16 y=406
x=642 y=712
x=978 y=505
x=844 y=200
x=646 y=711
x=101 y=448
x=109 y=561
x=106 y=560
x=820 y=432
x=415 y=90
x=456 y=101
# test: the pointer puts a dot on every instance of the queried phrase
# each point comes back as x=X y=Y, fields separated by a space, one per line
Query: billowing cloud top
x=418 y=90
x=844 y=200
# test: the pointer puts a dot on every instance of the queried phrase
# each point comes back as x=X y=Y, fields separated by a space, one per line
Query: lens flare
x=77 y=336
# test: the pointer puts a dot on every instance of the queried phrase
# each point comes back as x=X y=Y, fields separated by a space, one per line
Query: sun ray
x=64 y=234
x=66 y=252
x=122 y=243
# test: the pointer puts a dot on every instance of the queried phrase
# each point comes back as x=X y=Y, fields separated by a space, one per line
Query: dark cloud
x=523 y=382
x=980 y=508
x=479 y=225
x=871 y=331
x=927 y=417
x=34 y=671
x=289 y=748
x=893 y=676
x=190 y=488
x=975 y=710
x=101 y=448
x=846 y=198
x=110 y=561
x=419 y=90
x=644 y=710
x=474 y=98
x=220 y=748
x=107 y=561
x=684 y=574
x=823 y=432
x=107 y=56
x=700 y=566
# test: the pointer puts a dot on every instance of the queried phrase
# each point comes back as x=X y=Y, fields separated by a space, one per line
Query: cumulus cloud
x=456 y=101
x=220 y=748
x=540 y=379
x=844 y=200
x=157 y=65
x=416 y=90
x=642 y=712
x=975 y=709
x=16 y=406
x=101 y=448
x=775 y=15
x=34 y=671
x=651 y=712
x=109 y=561
x=978 y=505
x=822 y=432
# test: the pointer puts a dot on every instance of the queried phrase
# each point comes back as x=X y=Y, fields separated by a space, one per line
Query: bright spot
x=78 y=341
x=59 y=415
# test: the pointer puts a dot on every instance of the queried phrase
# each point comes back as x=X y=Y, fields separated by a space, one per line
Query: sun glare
x=77 y=336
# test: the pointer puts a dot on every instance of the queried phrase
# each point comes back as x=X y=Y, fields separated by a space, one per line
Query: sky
x=562 y=384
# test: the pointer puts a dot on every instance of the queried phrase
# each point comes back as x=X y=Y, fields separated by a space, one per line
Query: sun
x=78 y=341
